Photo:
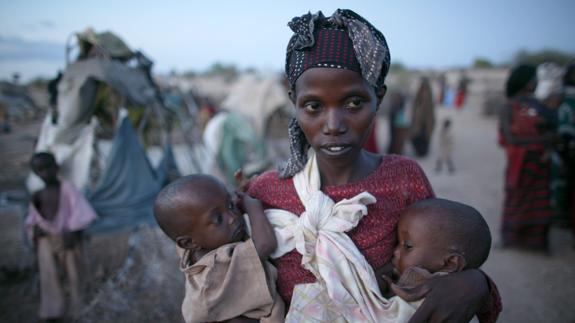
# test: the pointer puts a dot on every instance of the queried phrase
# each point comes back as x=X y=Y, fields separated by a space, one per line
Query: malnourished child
x=56 y=217
x=227 y=272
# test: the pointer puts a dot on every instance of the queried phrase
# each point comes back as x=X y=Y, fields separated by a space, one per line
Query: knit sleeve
x=490 y=311
x=418 y=184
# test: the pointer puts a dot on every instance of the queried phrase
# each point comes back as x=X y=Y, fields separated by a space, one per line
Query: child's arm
x=263 y=234
x=37 y=232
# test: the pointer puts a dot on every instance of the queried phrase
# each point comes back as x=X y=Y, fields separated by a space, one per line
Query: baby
x=435 y=237
x=227 y=272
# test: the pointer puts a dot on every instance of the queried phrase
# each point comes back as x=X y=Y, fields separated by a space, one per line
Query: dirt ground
x=148 y=287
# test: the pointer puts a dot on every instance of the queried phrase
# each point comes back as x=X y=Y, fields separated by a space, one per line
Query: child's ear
x=453 y=262
x=186 y=242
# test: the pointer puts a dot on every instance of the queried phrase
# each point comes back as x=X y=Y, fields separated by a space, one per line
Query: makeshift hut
x=108 y=112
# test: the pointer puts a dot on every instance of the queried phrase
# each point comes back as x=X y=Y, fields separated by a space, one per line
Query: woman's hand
x=455 y=297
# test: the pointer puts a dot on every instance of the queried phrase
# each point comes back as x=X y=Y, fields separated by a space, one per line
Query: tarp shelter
x=129 y=184
x=123 y=194
x=258 y=109
x=257 y=97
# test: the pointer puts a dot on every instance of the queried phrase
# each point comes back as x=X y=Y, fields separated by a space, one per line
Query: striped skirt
x=527 y=209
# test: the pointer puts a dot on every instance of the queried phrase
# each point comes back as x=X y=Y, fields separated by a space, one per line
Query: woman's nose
x=334 y=123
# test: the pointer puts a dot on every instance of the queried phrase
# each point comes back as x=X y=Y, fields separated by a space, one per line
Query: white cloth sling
x=346 y=289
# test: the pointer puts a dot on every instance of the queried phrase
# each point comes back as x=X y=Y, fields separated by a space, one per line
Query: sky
x=192 y=35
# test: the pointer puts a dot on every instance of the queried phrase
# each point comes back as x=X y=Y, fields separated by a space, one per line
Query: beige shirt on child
x=228 y=282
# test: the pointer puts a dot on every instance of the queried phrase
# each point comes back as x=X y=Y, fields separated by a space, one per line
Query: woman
x=525 y=135
x=336 y=68
x=423 y=119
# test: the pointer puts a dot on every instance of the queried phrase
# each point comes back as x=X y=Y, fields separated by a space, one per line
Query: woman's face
x=335 y=109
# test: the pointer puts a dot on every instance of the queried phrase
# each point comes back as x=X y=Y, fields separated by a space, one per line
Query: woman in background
x=525 y=135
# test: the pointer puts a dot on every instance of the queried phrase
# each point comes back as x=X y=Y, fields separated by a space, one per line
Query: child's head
x=44 y=165
x=198 y=213
x=446 y=123
x=441 y=235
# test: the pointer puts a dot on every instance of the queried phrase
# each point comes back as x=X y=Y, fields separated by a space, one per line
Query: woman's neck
x=333 y=174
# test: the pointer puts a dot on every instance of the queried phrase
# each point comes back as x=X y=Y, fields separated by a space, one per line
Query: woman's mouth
x=336 y=149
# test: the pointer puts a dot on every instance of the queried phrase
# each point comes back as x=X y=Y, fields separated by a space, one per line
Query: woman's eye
x=407 y=246
x=312 y=106
x=354 y=103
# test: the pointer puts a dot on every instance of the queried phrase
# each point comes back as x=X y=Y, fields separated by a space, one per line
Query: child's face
x=335 y=109
x=214 y=218
x=417 y=244
x=46 y=170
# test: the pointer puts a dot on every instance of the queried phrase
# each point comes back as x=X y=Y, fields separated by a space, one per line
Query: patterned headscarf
x=345 y=40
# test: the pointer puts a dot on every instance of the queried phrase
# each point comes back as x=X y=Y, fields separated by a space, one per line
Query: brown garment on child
x=228 y=282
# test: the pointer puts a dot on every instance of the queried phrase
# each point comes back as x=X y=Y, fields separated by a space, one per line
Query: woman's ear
x=453 y=262
x=380 y=94
x=291 y=94
x=186 y=242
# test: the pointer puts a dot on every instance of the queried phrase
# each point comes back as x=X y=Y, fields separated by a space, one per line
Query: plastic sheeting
x=77 y=89
x=256 y=98
x=73 y=154
x=240 y=147
x=124 y=195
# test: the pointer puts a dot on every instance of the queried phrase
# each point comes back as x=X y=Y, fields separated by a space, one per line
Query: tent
x=120 y=182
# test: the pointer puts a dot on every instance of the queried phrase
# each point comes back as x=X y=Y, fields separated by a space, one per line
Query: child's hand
x=251 y=205
x=37 y=233
x=413 y=284
x=241 y=181
x=248 y=204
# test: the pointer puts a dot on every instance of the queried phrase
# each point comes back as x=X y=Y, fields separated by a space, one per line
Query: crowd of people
x=339 y=231
x=538 y=138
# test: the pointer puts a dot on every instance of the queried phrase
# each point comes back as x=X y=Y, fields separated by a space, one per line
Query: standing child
x=446 y=143
x=227 y=272
x=57 y=215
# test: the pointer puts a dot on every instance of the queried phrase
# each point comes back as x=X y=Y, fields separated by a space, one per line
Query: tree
x=397 y=67
x=481 y=62
x=229 y=71
x=542 y=56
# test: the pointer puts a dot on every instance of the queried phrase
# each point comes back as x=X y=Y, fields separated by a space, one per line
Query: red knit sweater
x=396 y=183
